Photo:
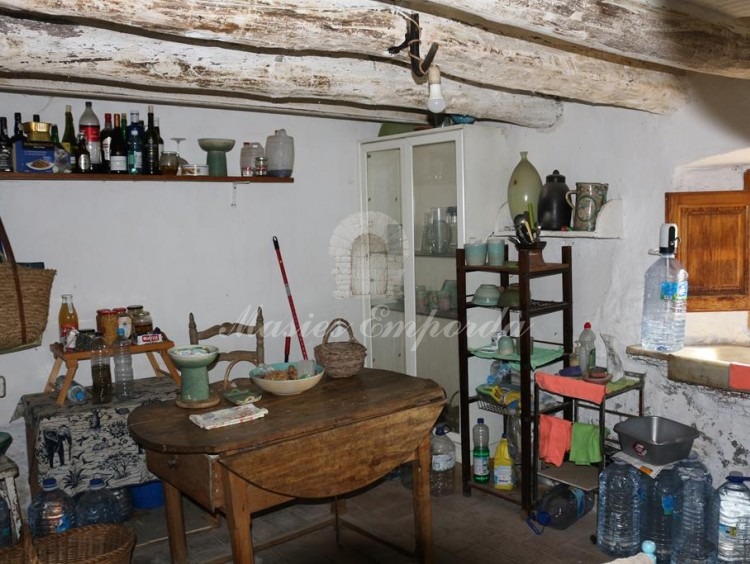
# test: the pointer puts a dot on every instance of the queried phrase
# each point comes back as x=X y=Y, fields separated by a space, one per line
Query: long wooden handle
x=16 y=280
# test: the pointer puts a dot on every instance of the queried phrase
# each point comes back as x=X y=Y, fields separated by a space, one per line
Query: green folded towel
x=584 y=444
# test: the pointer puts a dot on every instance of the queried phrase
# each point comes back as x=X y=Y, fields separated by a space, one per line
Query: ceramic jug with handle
x=590 y=197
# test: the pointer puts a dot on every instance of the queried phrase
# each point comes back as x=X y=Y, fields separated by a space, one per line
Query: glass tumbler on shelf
x=441 y=230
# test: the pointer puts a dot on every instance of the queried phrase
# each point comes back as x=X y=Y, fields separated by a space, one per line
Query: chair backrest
x=256 y=356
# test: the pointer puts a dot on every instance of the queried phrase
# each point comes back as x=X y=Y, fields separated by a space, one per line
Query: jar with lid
x=142 y=323
x=108 y=325
x=261 y=166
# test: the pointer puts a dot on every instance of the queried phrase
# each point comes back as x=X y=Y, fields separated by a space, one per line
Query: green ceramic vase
x=524 y=187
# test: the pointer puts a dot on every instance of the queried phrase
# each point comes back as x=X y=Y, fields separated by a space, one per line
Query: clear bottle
x=514 y=441
x=123 y=362
x=135 y=152
x=692 y=463
x=659 y=498
x=503 y=477
x=730 y=519
x=97 y=505
x=692 y=543
x=67 y=317
x=123 y=504
x=250 y=151
x=481 y=452
x=562 y=505
x=442 y=471
x=75 y=394
x=88 y=125
x=101 y=374
x=6 y=152
x=151 y=146
x=51 y=510
x=6 y=533
x=665 y=295
x=280 y=153
x=619 y=510
x=587 y=349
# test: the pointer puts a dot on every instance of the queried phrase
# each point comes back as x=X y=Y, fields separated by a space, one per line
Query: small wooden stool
x=8 y=475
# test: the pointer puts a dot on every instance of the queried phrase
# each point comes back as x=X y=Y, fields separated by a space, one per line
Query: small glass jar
x=168 y=163
x=109 y=326
x=99 y=314
x=142 y=323
x=261 y=166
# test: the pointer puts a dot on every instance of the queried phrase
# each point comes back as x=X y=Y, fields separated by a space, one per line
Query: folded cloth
x=571 y=388
x=585 y=447
x=621 y=384
x=554 y=439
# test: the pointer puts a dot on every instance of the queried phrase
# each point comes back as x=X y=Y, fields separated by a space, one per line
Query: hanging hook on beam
x=412 y=40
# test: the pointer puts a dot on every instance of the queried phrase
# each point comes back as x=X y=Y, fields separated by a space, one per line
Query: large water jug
x=619 y=511
x=97 y=505
x=51 y=510
x=692 y=463
x=280 y=153
x=442 y=472
x=730 y=519
x=692 y=542
x=659 y=497
x=562 y=506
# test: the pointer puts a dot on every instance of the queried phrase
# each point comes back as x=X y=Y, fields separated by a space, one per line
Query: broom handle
x=289 y=297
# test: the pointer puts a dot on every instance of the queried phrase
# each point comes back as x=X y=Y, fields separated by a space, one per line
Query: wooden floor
x=468 y=530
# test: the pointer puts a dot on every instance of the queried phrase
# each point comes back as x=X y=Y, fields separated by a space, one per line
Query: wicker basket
x=340 y=360
x=92 y=544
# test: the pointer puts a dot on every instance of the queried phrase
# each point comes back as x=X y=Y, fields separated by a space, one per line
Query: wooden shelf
x=78 y=177
x=582 y=477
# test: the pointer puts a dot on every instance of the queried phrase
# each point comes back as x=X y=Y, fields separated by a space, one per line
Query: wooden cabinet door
x=714 y=230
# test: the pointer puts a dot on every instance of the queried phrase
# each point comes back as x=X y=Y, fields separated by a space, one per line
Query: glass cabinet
x=423 y=194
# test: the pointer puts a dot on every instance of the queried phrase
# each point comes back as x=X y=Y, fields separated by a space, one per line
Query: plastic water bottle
x=123 y=505
x=481 y=453
x=51 y=510
x=442 y=472
x=123 y=366
x=75 y=394
x=562 y=506
x=6 y=533
x=665 y=297
x=730 y=519
x=97 y=505
x=692 y=463
x=693 y=542
x=619 y=511
x=503 y=476
x=587 y=349
x=659 y=498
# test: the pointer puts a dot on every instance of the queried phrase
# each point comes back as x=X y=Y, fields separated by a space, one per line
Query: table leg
x=175 y=523
x=238 y=517
x=53 y=375
x=71 y=369
x=422 y=503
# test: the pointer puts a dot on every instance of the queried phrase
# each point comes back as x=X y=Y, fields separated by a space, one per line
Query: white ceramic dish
x=286 y=387
x=194 y=170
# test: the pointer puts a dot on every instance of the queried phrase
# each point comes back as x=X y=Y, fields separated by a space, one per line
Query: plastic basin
x=655 y=440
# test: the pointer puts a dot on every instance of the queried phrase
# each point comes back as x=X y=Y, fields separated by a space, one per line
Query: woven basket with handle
x=341 y=360
x=92 y=544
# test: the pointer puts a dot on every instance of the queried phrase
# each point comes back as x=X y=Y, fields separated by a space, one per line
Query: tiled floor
x=467 y=530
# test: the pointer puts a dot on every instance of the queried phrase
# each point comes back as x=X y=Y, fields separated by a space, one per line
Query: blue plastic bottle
x=659 y=498
x=51 y=510
x=97 y=505
x=730 y=519
x=619 y=511
x=693 y=543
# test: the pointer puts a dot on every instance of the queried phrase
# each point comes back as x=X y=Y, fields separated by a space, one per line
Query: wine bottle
x=106 y=139
x=88 y=124
x=151 y=146
x=118 y=150
x=158 y=132
x=18 y=134
x=69 y=140
x=62 y=158
x=6 y=164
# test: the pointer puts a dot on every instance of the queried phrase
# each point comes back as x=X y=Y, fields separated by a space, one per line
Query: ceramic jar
x=486 y=295
x=524 y=187
x=554 y=210
x=280 y=154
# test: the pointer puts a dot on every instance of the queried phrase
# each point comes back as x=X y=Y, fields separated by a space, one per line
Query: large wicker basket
x=92 y=544
x=341 y=360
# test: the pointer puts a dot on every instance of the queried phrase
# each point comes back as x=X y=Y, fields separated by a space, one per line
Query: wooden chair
x=256 y=356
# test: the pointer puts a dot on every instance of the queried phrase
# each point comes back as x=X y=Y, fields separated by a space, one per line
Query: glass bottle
x=158 y=134
x=151 y=146
x=168 y=163
x=106 y=141
x=101 y=373
x=6 y=164
x=67 y=318
x=118 y=150
x=62 y=158
x=18 y=133
x=69 y=140
x=82 y=156
x=135 y=152
x=524 y=187
x=88 y=125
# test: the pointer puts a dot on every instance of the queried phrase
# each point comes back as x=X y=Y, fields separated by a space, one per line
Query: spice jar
x=261 y=166
x=142 y=323
x=109 y=325
x=99 y=314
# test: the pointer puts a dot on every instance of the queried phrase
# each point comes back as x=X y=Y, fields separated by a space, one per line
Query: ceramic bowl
x=193 y=356
x=486 y=295
x=194 y=170
x=285 y=387
x=215 y=144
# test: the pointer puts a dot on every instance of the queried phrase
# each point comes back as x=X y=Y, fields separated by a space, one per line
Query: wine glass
x=180 y=160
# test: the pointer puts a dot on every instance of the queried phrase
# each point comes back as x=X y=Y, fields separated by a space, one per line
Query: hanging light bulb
x=435 y=101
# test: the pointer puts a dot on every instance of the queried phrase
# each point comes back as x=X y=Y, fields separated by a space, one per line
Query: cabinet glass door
x=385 y=311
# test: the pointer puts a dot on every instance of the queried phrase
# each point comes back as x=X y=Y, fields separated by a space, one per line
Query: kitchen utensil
x=289 y=297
